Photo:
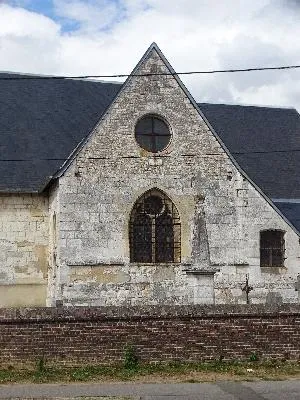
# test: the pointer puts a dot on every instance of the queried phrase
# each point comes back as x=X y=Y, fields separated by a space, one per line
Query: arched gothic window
x=154 y=229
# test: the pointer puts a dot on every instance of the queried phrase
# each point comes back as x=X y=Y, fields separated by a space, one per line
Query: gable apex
x=153 y=46
x=147 y=54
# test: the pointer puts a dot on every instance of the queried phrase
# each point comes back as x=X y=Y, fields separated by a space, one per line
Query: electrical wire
x=26 y=77
x=108 y=158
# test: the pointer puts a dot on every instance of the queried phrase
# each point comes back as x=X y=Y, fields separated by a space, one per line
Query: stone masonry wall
x=23 y=250
x=77 y=336
x=53 y=267
x=98 y=191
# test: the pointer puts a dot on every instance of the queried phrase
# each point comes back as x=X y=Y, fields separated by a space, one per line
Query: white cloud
x=92 y=16
x=18 y=22
x=28 y=42
x=111 y=36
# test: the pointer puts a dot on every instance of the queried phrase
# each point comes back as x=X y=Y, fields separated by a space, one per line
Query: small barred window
x=154 y=229
x=272 y=248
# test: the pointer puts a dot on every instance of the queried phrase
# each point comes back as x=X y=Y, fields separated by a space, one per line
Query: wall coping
x=76 y=314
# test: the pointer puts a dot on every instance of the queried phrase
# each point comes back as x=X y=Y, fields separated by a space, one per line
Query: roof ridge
x=248 y=105
x=29 y=74
x=24 y=73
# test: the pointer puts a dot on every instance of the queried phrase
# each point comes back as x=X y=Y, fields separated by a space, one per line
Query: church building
x=135 y=194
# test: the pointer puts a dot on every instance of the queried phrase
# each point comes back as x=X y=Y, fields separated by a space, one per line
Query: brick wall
x=198 y=333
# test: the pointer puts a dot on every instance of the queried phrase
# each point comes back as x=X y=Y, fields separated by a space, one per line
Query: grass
x=172 y=372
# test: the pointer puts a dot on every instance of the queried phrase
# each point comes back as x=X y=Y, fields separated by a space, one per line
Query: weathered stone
x=274 y=298
x=24 y=250
x=76 y=238
x=220 y=218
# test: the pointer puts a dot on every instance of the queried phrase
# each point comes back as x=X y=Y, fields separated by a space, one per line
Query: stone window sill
x=169 y=264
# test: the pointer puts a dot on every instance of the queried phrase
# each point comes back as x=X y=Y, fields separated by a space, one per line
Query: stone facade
x=23 y=250
x=80 y=232
x=216 y=203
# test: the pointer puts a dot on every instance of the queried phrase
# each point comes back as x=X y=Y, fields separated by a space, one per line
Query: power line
x=108 y=158
x=265 y=152
x=217 y=71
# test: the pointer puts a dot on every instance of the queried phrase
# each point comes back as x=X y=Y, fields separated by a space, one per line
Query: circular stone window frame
x=164 y=120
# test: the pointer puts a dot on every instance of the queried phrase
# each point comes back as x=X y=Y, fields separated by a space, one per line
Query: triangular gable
x=154 y=47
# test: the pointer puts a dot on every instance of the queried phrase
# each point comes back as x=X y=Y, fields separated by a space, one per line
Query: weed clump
x=40 y=365
x=130 y=358
x=253 y=357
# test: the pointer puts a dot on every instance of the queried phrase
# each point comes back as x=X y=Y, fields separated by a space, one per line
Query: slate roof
x=264 y=141
x=291 y=211
x=43 y=121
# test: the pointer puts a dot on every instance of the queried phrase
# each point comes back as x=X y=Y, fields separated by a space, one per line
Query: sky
x=100 y=37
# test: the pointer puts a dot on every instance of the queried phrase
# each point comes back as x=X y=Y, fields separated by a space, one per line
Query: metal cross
x=247 y=288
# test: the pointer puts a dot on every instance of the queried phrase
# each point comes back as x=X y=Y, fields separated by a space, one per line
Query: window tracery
x=152 y=133
x=154 y=229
